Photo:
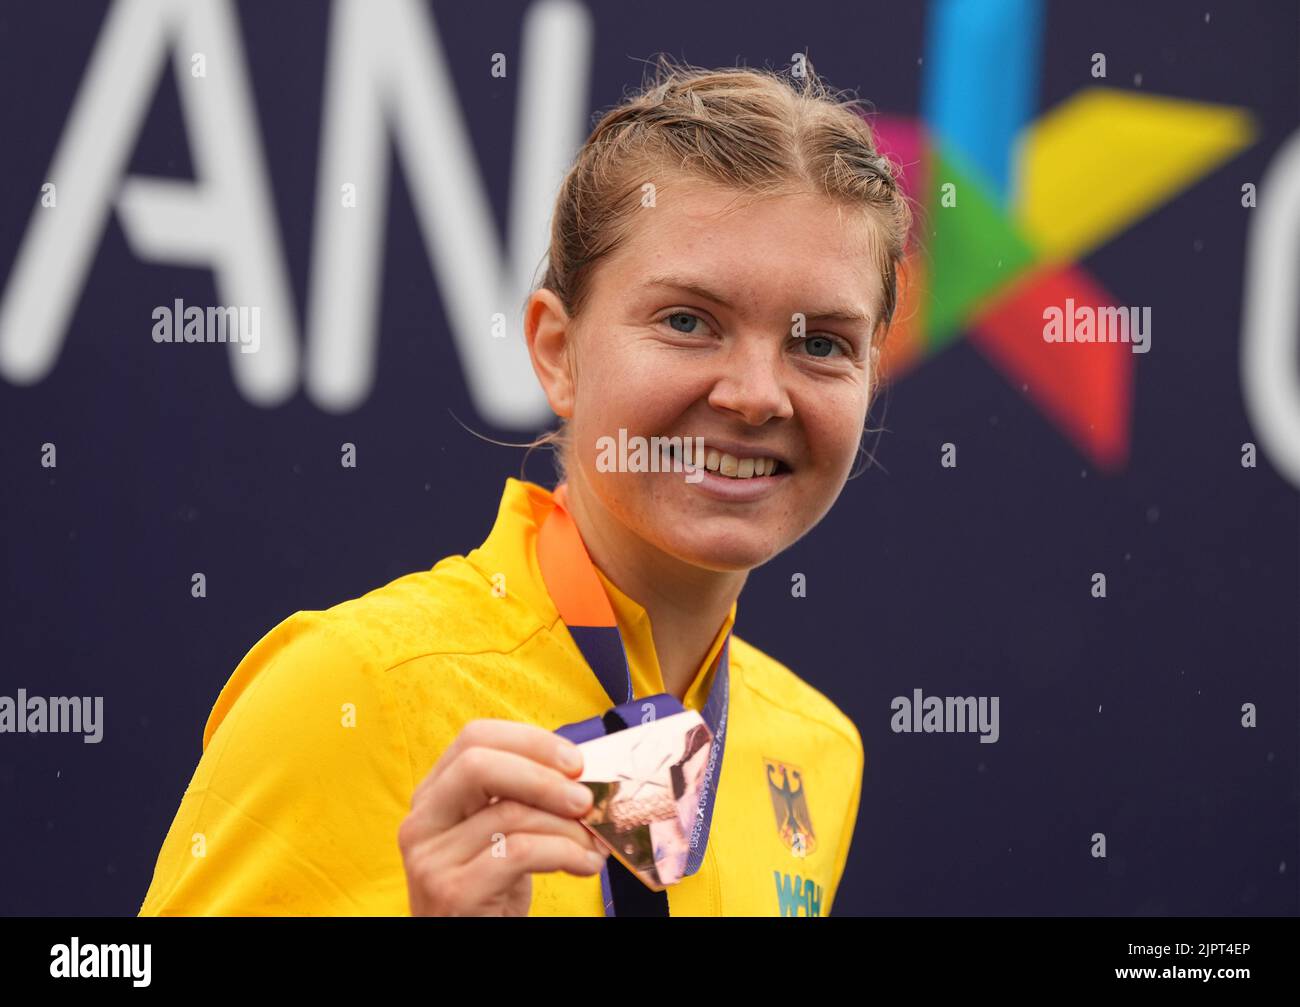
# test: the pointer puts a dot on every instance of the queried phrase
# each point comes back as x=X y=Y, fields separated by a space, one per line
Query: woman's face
x=690 y=331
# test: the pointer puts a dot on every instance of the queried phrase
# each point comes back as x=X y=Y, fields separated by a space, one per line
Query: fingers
x=485 y=863
x=470 y=777
x=500 y=804
x=530 y=853
x=527 y=740
x=495 y=827
x=482 y=773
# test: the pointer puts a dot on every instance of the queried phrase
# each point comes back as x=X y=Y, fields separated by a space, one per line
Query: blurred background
x=1107 y=153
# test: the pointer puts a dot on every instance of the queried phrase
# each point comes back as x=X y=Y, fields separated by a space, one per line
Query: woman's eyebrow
x=681 y=283
x=835 y=314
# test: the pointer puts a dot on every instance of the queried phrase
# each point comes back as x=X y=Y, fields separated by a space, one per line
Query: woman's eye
x=687 y=319
x=823 y=346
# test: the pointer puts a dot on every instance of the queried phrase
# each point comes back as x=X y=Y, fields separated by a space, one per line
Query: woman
x=722 y=267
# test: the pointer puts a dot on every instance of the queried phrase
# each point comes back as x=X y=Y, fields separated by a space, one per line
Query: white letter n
x=386 y=70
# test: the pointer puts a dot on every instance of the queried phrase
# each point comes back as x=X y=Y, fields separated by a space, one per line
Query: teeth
x=738 y=468
x=729 y=465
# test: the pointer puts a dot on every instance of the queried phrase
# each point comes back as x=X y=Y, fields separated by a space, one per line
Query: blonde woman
x=722 y=270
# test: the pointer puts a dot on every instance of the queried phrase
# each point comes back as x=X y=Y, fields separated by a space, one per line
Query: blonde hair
x=749 y=129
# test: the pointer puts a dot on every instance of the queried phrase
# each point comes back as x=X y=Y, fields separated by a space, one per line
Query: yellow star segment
x=1103 y=159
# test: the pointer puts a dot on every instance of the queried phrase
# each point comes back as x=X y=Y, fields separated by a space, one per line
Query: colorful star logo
x=1033 y=196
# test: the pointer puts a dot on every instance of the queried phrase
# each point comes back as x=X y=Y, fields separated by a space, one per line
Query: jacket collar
x=511 y=550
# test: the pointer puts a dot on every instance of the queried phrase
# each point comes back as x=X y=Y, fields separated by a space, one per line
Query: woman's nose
x=752 y=382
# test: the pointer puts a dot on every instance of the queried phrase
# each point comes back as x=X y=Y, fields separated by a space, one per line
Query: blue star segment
x=1011 y=202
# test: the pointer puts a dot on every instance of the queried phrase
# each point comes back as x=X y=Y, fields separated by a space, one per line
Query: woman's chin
x=724 y=554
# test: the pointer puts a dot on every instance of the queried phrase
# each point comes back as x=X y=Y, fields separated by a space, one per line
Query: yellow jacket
x=317 y=741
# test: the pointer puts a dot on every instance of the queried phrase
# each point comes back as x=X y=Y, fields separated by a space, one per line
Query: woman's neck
x=686 y=604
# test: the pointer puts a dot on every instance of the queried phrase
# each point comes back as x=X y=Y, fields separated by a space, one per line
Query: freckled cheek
x=832 y=424
x=624 y=361
x=657 y=388
x=614 y=403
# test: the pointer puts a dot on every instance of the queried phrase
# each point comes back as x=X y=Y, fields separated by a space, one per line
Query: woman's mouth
x=728 y=466
x=725 y=476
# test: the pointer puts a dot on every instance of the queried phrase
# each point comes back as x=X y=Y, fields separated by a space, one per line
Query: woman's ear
x=549 y=332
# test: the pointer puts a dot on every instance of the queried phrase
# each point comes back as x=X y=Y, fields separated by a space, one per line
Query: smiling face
x=688 y=330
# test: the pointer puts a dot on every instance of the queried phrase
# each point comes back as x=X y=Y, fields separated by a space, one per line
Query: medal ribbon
x=574 y=586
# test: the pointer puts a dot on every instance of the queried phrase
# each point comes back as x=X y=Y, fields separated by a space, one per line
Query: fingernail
x=579 y=796
x=570 y=758
x=597 y=860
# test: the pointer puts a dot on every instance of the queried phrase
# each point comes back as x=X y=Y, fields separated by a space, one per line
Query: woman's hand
x=500 y=804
